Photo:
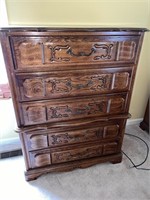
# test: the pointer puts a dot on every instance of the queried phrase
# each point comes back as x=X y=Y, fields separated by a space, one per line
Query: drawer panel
x=83 y=135
x=39 y=159
x=98 y=132
x=36 y=140
x=101 y=131
x=68 y=84
x=82 y=153
x=77 y=154
x=34 y=52
x=47 y=157
x=43 y=112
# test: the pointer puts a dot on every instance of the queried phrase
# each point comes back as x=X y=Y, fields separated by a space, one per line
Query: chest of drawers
x=71 y=90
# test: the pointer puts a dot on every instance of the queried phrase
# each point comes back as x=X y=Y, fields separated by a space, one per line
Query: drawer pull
x=70 y=52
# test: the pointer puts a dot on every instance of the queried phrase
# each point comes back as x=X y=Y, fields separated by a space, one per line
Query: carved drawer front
x=43 y=112
x=77 y=154
x=45 y=86
x=77 y=136
x=83 y=135
x=36 y=140
x=40 y=139
x=85 y=152
x=39 y=159
x=35 y=52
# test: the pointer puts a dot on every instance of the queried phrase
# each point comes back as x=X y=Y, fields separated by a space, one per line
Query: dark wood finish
x=145 y=123
x=71 y=90
x=56 y=137
x=77 y=108
x=39 y=86
x=36 y=53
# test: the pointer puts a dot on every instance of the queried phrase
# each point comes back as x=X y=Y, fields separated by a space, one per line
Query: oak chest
x=71 y=90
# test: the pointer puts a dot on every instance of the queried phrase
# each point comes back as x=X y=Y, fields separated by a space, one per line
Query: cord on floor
x=147 y=153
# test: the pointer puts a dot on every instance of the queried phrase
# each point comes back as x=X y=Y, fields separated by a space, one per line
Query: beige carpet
x=100 y=182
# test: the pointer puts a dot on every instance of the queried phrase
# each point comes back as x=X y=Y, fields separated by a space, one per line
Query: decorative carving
x=58 y=48
x=105 y=47
x=77 y=136
x=59 y=85
x=77 y=110
x=59 y=112
x=76 y=155
x=93 y=83
x=61 y=138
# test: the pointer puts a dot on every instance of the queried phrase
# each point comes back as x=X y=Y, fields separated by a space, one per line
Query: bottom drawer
x=77 y=154
x=46 y=157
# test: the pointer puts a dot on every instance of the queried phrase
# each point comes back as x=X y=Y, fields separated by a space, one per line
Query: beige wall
x=92 y=13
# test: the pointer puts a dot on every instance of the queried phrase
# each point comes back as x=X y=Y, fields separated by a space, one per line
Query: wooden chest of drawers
x=71 y=90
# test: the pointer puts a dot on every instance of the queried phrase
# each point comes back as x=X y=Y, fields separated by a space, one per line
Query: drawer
x=83 y=153
x=84 y=135
x=77 y=154
x=89 y=131
x=47 y=157
x=68 y=84
x=77 y=108
x=35 y=52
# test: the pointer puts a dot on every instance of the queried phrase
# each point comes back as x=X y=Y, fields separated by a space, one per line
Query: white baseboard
x=134 y=121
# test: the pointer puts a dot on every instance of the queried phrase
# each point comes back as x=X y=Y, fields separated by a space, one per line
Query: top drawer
x=51 y=51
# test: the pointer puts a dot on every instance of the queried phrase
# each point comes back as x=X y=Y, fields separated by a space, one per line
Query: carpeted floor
x=100 y=182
